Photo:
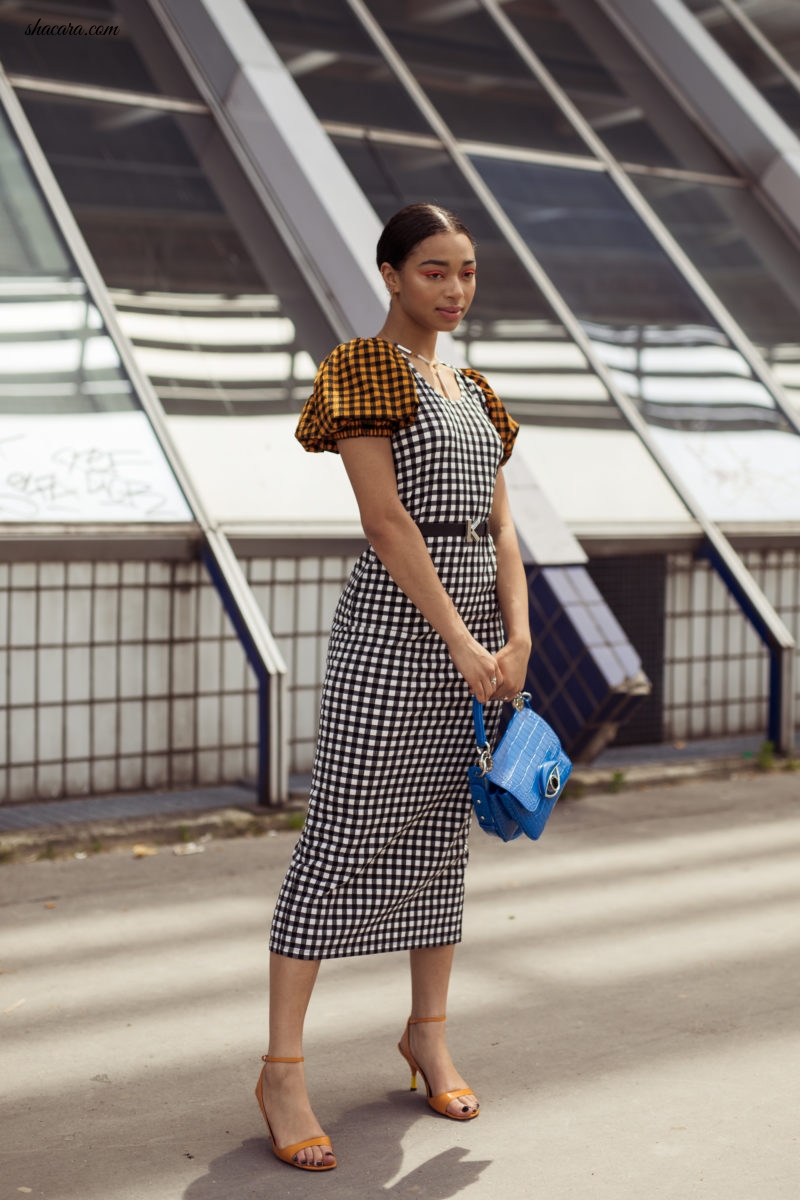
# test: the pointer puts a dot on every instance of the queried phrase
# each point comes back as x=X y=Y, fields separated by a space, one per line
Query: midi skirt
x=380 y=863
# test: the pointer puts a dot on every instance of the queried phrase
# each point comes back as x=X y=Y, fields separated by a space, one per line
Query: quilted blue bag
x=515 y=787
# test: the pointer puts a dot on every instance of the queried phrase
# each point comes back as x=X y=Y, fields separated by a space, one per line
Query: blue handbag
x=514 y=788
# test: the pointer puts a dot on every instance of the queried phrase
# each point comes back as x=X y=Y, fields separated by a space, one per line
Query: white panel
x=234 y=675
x=233 y=721
x=23 y=735
x=253 y=469
x=104 y=673
x=307 y=618
x=51 y=616
x=23 y=618
x=104 y=726
x=22 y=665
x=104 y=616
x=85 y=467
x=131 y=777
x=22 y=783
x=183 y=724
x=157 y=726
x=104 y=775
x=599 y=477
x=77 y=778
x=78 y=667
x=157 y=664
x=131 y=672
x=132 y=614
x=738 y=476
x=48 y=781
x=183 y=667
x=156 y=771
x=79 y=615
x=50 y=670
x=208 y=769
x=78 y=717
x=208 y=716
x=209 y=667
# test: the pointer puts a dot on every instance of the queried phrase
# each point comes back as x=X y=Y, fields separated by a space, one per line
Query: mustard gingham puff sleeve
x=363 y=389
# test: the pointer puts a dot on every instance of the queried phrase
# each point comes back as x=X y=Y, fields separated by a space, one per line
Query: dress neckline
x=434 y=364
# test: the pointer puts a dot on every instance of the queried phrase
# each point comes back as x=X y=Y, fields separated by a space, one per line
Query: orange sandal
x=440 y=1102
x=287 y=1153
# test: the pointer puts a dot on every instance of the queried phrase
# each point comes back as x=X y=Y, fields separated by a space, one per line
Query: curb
x=151 y=830
x=192 y=828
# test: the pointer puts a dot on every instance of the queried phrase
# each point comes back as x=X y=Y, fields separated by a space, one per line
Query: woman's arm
x=512 y=595
x=400 y=546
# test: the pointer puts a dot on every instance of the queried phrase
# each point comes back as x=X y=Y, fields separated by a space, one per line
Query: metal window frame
x=786 y=69
x=216 y=552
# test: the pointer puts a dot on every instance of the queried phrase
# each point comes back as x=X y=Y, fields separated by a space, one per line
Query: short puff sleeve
x=505 y=424
x=363 y=389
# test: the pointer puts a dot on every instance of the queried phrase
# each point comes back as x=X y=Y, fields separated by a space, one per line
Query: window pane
x=74 y=443
x=752 y=266
x=477 y=82
x=107 y=59
x=717 y=423
x=208 y=331
x=336 y=65
x=618 y=95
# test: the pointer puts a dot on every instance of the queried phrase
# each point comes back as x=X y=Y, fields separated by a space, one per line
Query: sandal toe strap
x=321 y=1140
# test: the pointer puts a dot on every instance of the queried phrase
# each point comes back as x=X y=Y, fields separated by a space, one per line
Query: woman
x=435 y=609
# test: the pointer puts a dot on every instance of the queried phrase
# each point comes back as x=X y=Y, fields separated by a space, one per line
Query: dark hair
x=410 y=226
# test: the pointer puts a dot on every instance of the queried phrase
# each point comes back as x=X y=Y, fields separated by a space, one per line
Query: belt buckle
x=470 y=535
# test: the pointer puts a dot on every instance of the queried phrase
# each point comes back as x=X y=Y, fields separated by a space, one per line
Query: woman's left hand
x=513 y=663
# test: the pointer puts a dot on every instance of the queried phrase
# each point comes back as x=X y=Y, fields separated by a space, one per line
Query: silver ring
x=493 y=681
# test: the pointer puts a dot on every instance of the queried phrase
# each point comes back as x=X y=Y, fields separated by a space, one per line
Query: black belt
x=460 y=529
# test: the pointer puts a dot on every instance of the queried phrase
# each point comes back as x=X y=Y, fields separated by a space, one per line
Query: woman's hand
x=512 y=662
x=477 y=666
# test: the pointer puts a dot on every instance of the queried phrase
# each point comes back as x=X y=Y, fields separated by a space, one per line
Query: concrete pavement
x=625 y=1004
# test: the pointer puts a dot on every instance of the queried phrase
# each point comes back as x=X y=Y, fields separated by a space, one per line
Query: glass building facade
x=164 y=304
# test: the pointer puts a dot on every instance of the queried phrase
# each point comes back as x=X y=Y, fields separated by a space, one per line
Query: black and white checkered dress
x=380 y=863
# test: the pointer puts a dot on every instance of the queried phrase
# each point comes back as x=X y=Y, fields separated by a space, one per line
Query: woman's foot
x=425 y=1039
x=290 y=1118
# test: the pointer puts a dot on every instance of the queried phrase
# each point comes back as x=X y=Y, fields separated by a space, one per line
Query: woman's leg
x=291 y=982
x=430 y=979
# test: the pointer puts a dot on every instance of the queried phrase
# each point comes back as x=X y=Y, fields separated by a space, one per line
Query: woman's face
x=436 y=284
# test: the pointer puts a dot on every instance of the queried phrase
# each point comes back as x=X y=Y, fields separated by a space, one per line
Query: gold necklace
x=433 y=363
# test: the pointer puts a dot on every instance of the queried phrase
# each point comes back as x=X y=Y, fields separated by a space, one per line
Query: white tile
x=22 y=676
x=22 y=727
x=131 y=720
x=77 y=672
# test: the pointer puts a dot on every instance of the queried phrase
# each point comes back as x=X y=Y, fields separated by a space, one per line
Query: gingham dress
x=380 y=863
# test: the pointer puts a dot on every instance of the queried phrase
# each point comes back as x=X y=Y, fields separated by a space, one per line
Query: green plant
x=617 y=781
x=792 y=763
x=96 y=846
x=765 y=759
x=296 y=820
x=574 y=789
x=184 y=833
x=48 y=853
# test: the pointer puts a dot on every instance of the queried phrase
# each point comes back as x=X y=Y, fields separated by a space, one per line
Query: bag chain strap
x=485 y=760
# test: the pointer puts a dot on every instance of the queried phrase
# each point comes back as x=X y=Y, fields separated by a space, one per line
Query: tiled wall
x=127 y=675
x=716 y=674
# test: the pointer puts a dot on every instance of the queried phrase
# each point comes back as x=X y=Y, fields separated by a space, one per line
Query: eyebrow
x=438 y=262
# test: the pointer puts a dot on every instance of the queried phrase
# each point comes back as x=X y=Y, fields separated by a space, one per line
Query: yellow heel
x=287 y=1153
x=440 y=1102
